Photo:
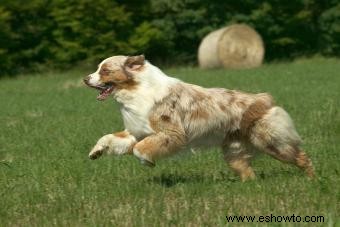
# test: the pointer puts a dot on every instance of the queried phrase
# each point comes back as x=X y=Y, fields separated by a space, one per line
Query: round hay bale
x=236 y=46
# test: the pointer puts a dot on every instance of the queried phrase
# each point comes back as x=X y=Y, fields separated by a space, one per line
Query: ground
x=50 y=121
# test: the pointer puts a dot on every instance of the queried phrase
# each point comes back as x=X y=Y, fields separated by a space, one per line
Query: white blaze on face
x=95 y=77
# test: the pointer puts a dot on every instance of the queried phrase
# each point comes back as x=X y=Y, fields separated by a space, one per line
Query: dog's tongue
x=104 y=94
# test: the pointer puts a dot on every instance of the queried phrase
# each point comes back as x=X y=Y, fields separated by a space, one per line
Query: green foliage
x=330 y=28
x=5 y=35
x=88 y=30
x=61 y=33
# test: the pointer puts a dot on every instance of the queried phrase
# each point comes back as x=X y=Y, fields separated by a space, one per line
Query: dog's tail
x=275 y=134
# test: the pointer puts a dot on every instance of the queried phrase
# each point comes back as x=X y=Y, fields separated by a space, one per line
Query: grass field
x=50 y=122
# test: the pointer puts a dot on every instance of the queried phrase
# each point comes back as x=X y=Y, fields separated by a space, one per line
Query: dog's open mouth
x=105 y=90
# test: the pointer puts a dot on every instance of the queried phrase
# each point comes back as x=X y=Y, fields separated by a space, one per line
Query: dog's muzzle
x=86 y=80
x=105 y=89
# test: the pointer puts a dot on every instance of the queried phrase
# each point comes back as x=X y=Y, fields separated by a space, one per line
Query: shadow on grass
x=172 y=179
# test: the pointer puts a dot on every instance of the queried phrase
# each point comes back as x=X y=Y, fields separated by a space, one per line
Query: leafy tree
x=61 y=33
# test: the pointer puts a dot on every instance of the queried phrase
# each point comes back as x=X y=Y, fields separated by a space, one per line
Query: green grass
x=50 y=122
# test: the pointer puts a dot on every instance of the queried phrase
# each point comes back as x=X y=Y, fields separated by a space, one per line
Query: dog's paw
x=143 y=158
x=96 y=152
x=147 y=163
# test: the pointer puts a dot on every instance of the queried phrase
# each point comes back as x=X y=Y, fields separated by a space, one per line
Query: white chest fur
x=135 y=109
x=136 y=121
x=137 y=104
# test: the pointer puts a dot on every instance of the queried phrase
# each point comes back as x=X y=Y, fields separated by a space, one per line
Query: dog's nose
x=86 y=80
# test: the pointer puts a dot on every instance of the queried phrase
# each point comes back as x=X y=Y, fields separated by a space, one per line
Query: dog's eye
x=105 y=71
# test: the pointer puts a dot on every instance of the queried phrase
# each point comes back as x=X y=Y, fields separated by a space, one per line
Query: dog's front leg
x=117 y=143
x=157 y=146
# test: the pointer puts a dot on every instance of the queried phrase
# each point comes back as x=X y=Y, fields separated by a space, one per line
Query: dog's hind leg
x=275 y=135
x=117 y=143
x=238 y=158
x=292 y=155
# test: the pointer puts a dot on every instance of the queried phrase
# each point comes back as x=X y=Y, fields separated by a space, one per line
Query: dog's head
x=116 y=73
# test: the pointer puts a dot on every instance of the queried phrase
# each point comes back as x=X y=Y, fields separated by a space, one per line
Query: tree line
x=37 y=34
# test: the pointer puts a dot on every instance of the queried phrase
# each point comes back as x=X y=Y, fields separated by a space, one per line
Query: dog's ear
x=134 y=62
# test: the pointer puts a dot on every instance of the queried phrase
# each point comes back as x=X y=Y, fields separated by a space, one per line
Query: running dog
x=164 y=115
